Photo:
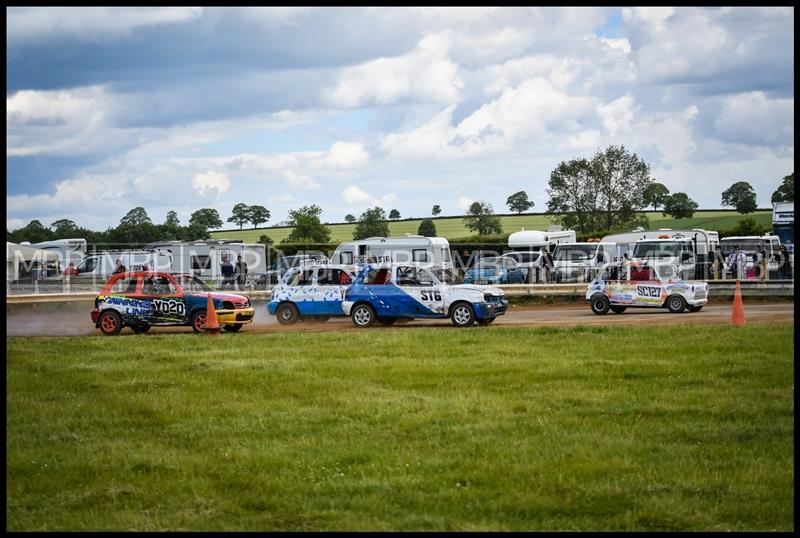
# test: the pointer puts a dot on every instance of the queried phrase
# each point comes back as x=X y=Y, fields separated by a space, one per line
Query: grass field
x=453 y=227
x=652 y=428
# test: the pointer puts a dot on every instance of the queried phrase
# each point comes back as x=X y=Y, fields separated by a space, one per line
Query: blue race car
x=310 y=292
x=501 y=270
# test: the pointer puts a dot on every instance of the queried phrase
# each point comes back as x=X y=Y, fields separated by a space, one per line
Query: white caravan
x=204 y=258
x=409 y=248
x=535 y=239
x=100 y=265
x=68 y=250
x=748 y=244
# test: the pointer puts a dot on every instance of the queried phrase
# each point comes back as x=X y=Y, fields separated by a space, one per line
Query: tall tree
x=307 y=227
x=518 y=202
x=135 y=217
x=602 y=194
x=679 y=206
x=240 y=214
x=34 y=232
x=200 y=222
x=436 y=210
x=655 y=195
x=172 y=219
x=257 y=214
x=349 y=218
x=372 y=223
x=481 y=219
x=741 y=196
x=785 y=193
x=394 y=214
x=64 y=228
x=427 y=228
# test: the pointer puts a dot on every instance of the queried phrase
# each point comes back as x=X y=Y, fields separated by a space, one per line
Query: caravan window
x=347 y=258
x=419 y=255
x=201 y=262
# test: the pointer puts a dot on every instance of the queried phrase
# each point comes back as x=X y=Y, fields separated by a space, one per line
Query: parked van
x=99 y=266
x=527 y=248
x=702 y=242
x=580 y=262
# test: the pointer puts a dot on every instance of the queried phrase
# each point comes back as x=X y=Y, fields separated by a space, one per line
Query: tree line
x=605 y=194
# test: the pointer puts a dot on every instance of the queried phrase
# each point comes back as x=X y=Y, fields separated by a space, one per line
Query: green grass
x=453 y=227
x=622 y=428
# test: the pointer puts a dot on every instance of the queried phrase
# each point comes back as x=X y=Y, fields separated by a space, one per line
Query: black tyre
x=600 y=305
x=462 y=315
x=617 y=309
x=387 y=321
x=287 y=314
x=198 y=320
x=110 y=323
x=233 y=327
x=140 y=328
x=363 y=316
x=676 y=304
x=694 y=308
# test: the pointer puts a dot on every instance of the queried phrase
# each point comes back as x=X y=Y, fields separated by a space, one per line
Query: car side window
x=332 y=277
x=301 y=278
x=158 y=285
x=124 y=285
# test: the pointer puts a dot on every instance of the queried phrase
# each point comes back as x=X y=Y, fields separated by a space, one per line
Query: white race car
x=620 y=285
x=404 y=291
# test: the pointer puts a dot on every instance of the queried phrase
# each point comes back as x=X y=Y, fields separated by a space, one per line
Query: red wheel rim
x=109 y=323
x=199 y=321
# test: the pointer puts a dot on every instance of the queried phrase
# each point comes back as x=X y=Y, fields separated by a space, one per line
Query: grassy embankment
x=453 y=227
x=623 y=428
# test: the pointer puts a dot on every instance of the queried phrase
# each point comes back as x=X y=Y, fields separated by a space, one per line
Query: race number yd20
x=430 y=295
x=169 y=307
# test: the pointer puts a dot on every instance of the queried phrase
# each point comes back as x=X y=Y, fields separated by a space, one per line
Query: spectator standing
x=118 y=268
x=71 y=271
x=785 y=267
x=547 y=264
x=736 y=261
x=240 y=273
x=226 y=270
x=761 y=261
x=716 y=265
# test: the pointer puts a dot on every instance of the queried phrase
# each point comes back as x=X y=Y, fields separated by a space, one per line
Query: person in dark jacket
x=785 y=267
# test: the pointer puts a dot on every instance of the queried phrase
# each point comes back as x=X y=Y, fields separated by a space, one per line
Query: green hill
x=451 y=227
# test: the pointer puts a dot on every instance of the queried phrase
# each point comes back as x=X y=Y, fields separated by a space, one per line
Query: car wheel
x=676 y=304
x=140 y=328
x=387 y=321
x=694 y=308
x=233 y=328
x=600 y=305
x=110 y=323
x=287 y=314
x=618 y=309
x=363 y=316
x=198 y=320
x=463 y=315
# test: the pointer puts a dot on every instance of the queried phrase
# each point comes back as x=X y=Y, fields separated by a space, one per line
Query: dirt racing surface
x=75 y=321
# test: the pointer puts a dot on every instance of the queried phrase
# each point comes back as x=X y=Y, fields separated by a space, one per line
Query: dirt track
x=76 y=322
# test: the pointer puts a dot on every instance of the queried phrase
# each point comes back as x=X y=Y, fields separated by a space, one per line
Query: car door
x=165 y=298
x=420 y=285
x=331 y=285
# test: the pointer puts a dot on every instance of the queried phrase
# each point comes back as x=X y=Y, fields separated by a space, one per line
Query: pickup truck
x=403 y=291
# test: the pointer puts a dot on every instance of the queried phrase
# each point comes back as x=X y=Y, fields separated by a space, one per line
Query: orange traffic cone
x=738 y=308
x=212 y=324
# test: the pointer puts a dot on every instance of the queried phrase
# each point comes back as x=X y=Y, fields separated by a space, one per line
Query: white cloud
x=464 y=203
x=425 y=74
x=89 y=23
x=752 y=118
x=211 y=183
x=299 y=181
x=346 y=155
x=618 y=114
x=353 y=195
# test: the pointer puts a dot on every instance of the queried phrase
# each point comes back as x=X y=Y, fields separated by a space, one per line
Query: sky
x=183 y=108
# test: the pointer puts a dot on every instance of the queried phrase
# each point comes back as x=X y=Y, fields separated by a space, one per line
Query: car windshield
x=656 y=249
x=574 y=253
x=191 y=283
x=496 y=263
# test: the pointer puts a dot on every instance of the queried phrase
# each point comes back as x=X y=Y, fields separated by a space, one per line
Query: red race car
x=140 y=300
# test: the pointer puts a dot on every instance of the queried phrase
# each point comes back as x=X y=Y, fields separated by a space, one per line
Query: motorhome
x=68 y=250
x=410 y=248
x=527 y=240
x=99 y=266
x=783 y=224
x=703 y=243
x=204 y=258
x=580 y=262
